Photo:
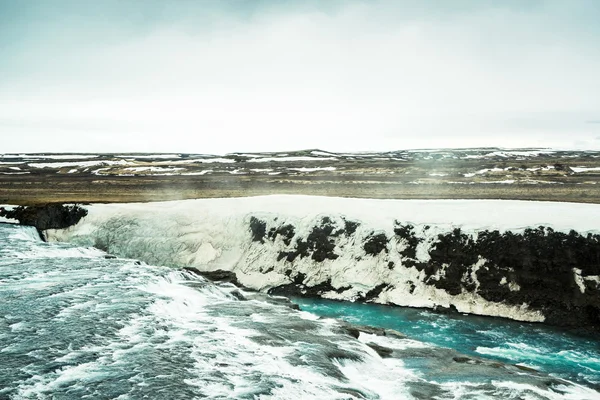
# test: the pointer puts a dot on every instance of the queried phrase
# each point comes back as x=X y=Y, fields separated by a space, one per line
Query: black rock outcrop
x=554 y=273
x=218 y=275
x=49 y=216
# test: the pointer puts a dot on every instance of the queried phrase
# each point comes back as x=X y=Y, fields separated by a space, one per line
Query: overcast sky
x=225 y=76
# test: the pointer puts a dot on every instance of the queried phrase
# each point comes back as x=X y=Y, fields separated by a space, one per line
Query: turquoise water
x=76 y=323
x=536 y=346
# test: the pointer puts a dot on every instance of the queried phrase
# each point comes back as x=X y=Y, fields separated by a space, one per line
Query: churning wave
x=76 y=323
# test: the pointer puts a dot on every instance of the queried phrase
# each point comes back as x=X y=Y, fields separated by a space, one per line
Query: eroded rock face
x=319 y=244
x=50 y=216
x=547 y=270
x=554 y=273
x=536 y=274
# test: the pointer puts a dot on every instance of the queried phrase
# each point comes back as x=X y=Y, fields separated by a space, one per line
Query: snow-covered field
x=524 y=174
x=520 y=163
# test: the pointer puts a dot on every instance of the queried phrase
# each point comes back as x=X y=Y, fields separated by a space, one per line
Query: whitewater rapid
x=79 y=323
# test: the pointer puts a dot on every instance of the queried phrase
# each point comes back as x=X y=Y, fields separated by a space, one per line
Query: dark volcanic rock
x=540 y=264
x=375 y=244
x=350 y=227
x=320 y=241
x=465 y=360
x=355 y=330
x=258 y=229
x=383 y=352
x=49 y=216
x=375 y=292
x=218 y=275
x=552 y=272
x=319 y=244
x=298 y=288
x=409 y=253
x=342 y=354
x=455 y=252
x=287 y=232
x=445 y=310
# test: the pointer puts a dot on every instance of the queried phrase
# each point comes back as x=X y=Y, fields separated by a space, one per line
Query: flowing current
x=78 y=324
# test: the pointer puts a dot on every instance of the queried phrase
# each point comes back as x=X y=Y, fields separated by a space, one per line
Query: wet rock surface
x=218 y=275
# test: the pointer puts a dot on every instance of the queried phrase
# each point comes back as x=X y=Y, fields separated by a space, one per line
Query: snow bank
x=352 y=249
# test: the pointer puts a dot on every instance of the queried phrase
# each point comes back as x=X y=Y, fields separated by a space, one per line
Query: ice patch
x=208 y=161
x=507 y=181
x=55 y=156
x=579 y=279
x=204 y=172
x=289 y=159
x=149 y=156
x=154 y=170
x=82 y=164
x=585 y=169
x=306 y=169
x=482 y=172
x=261 y=169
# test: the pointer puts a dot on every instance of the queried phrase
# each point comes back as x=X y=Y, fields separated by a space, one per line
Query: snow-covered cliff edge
x=530 y=261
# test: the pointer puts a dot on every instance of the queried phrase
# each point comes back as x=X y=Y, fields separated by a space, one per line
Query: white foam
x=28 y=233
x=377 y=383
x=54 y=252
x=180 y=314
x=520 y=352
x=531 y=392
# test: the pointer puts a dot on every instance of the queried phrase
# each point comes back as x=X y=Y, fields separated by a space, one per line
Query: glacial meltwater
x=530 y=345
x=77 y=323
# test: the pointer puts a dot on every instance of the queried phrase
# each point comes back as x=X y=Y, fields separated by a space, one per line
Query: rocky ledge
x=530 y=274
x=49 y=216
x=555 y=274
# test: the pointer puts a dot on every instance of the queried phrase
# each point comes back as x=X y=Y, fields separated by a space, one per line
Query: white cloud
x=364 y=77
